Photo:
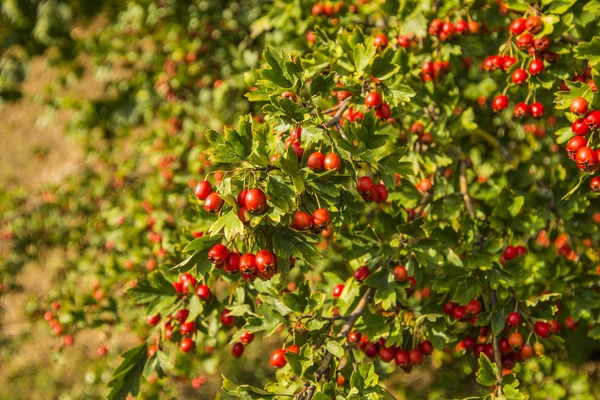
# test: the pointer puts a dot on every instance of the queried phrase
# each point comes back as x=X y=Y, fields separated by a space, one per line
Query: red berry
x=401 y=357
x=383 y=111
x=255 y=201
x=288 y=95
x=525 y=41
x=515 y=340
x=241 y=198
x=473 y=307
x=278 y=358
x=386 y=354
x=302 y=220
x=237 y=350
x=203 y=292
x=586 y=157
x=459 y=312
x=542 y=329
x=337 y=290
x=372 y=350
x=362 y=273
x=500 y=103
x=574 y=144
x=521 y=110
x=354 y=337
x=570 y=323
x=579 y=105
x=227 y=319
x=426 y=347
x=203 y=189
x=513 y=319
x=232 y=263
x=152 y=351
x=213 y=203
x=449 y=307
x=316 y=161
x=473 y=26
x=188 y=328
x=182 y=315
x=521 y=250
x=518 y=26
x=580 y=127
x=537 y=110
x=186 y=345
x=519 y=76
x=217 y=254
x=415 y=357
x=469 y=343
x=595 y=186
x=460 y=26
x=248 y=264
x=317 y=10
x=153 y=320
x=510 y=253
x=246 y=337
x=593 y=119
x=266 y=262
x=373 y=99
x=364 y=186
x=381 y=41
x=332 y=161
x=292 y=349
x=536 y=67
x=534 y=24
x=381 y=194
x=400 y=273
x=321 y=218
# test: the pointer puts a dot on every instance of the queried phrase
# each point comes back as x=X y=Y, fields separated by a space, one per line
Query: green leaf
x=245 y=392
x=126 y=378
x=221 y=150
x=362 y=57
x=321 y=85
x=560 y=6
x=195 y=308
x=335 y=348
x=488 y=372
x=201 y=243
x=589 y=51
x=229 y=223
x=289 y=165
x=275 y=73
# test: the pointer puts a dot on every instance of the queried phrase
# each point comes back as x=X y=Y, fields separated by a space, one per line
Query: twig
x=567 y=37
x=497 y=357
x=360 y=308
x=423 y=203
x=338 y=115
x=464 y=188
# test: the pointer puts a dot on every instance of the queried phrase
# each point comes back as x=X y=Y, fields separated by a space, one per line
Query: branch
x=423 y=203
x=464 y=188
x=568 y=38
x=338 y=115
x=497 y=357
x=346 y=328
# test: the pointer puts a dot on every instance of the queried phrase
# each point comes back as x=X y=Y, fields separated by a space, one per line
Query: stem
x=464 y=188
x=497 y=357
x=358 y=311
x=338 y=115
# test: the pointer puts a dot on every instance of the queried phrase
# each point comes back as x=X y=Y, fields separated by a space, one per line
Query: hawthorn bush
x=362 y=192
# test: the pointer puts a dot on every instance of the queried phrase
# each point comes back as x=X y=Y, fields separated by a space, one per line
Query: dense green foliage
x=473 y=232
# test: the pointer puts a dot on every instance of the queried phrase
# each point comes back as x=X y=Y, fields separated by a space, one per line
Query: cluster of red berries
x=249 y=200
x=295 y=140
x=525 y=29
x=260 y=265
x=374 y=100
x=327 y=9
x=400 y=274
x=512 y=252
x=369 y=191
x=55 y=325
x=447 y=30
x=186 y=283
x=470 y=310
x=187 y=329
x=277 y=358
x=318 y=161
x=406 y=359
x=317 y=222
x=587 y=159
x=434 y=70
